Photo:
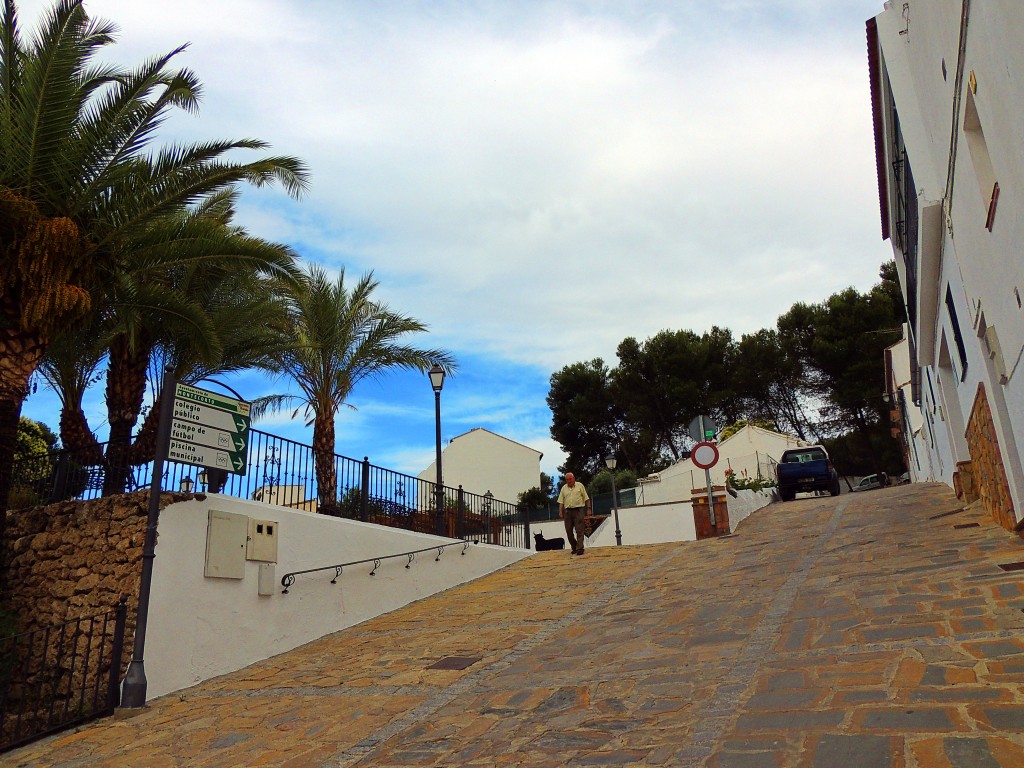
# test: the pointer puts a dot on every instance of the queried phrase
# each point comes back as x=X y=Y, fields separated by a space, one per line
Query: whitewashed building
x=907 y=421
x=751 y=453
x=947 y=89
x=481 y=461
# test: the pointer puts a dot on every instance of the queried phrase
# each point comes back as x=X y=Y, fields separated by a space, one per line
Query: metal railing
x=60 y=676
x=283 y=472
x=289 y=578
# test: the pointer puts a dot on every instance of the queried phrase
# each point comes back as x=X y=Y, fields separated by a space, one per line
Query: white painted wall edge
x=657 y=523
x=203 y=627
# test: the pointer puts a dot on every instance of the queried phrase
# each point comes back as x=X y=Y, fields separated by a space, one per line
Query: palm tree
x=80 y=182
x=167 y=295
x=342 y=336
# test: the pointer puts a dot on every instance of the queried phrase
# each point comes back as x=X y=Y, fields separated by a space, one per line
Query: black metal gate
x=60 y=676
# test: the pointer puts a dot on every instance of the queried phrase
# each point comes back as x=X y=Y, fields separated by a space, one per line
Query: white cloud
x=538 y=181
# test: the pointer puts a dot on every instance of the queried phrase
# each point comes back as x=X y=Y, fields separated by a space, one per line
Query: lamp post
x=610 y=462
x=133 y=690
x=437 y=382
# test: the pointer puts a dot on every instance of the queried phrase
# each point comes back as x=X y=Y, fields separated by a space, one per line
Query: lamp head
x=436 y=377
x=610 y=462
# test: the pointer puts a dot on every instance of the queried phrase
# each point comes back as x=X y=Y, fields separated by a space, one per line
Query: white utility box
x=262 y=541
x=226 y=538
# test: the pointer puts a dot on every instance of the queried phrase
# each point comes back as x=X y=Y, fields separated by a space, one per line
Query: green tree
x=602 y=481
x=171 y=295
x=539 y=496
x=769 y=380
x=340 y=336
x=33 y=459
x=585 y=419
x=81 y=186
x=841 y=342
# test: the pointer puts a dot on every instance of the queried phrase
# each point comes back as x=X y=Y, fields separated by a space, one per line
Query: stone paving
x=870 y=630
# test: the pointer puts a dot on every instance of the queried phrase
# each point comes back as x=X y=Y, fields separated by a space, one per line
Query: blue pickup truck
x=806 y=469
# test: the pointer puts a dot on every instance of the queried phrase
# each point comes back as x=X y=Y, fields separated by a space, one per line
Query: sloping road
x=866 y=631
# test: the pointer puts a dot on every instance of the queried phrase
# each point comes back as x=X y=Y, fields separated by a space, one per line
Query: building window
x=957 y=336
x=980 y=159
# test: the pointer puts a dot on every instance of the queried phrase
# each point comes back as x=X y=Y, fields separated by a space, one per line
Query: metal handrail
x=289 y=578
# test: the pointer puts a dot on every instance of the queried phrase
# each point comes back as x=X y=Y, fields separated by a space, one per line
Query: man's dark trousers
x=574 y=527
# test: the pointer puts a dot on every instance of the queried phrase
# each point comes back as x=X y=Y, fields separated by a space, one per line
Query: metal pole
x=707 y=476
x=615 y=509
x=134 y=690
x=711 y=500
x=438 y=487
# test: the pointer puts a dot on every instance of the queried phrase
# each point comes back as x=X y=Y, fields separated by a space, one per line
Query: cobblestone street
x=864 y=631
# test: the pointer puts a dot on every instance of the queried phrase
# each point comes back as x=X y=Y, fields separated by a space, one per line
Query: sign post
x=703 y=429
x=196 y=427
x=705 y=456
x=134 y=688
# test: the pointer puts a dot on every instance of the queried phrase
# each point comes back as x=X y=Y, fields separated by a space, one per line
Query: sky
x=534 y=181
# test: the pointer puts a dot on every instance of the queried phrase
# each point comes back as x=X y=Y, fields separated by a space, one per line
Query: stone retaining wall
x=988 y=474
x=77 y=558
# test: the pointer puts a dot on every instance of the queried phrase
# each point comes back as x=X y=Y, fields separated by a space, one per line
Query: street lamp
x=186 y=485
x=610 y=462
x=437 y=382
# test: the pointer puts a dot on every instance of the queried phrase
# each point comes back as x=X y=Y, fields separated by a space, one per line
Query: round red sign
x=704 y=455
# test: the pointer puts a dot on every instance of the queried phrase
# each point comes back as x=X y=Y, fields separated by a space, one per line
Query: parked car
x=806 y=469
x=870 y=482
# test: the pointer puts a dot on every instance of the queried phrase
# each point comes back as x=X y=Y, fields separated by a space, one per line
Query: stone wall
x=988 y=476
x=69 y=561
x=76 y=558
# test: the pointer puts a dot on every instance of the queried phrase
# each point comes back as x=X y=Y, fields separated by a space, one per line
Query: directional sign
x=211 y=417
x=204 y=456
x=209 y=429
x=203 y=435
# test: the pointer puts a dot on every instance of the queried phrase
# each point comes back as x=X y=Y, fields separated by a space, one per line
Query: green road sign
x=205 y=456
x=185 y=410
x=202 y=397
x=209 y=436
x=209 y=429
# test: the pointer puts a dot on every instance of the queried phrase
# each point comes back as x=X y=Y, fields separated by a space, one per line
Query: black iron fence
x=601 y=503
x=60 y=676
x=283 y=472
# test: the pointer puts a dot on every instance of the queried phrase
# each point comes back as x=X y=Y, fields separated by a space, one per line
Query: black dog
x=546 y=544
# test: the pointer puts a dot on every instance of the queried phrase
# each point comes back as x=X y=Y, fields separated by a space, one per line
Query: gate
x=58 y=677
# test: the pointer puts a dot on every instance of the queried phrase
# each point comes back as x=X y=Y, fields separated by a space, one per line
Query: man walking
x=572 y=501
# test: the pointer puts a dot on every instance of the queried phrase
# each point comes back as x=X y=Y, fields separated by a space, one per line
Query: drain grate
x=947 y=514
x=968 y=525
x=1012 y=566
x=455 y=662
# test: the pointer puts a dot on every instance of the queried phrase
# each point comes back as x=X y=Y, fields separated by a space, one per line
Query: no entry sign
x=704 y=455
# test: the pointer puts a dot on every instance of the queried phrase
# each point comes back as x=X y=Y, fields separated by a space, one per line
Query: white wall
x=481 y=461
x=982 y=269
x=203 y=627
x=658 y=523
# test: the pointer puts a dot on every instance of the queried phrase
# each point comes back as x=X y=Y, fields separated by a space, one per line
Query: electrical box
x=262 y=541
x=226 y=538
x=266 y=582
